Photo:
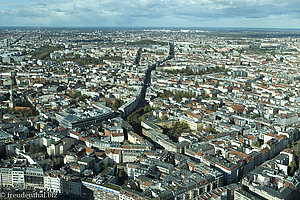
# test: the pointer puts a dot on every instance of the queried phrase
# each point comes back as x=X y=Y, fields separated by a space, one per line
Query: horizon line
x=144 y=27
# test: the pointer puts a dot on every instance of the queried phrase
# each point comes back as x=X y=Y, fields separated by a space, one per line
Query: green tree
x=74 y=94
x=58 y=163
x=139 y=115
x=178 y=95
x=117 y=104
x=121 y=176
x=256 y=143
x=32 y=148
x=83 y=98
x=203 y=94
x=292 y=167
x=240 y=149
x=27 y=113
x=214 y=108
x=175 y=131
x=297 y=150
x=212 y=129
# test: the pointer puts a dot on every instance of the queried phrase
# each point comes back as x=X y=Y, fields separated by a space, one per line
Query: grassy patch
x=44 y=52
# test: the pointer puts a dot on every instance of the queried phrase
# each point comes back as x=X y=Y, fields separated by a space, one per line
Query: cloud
x=151 y=13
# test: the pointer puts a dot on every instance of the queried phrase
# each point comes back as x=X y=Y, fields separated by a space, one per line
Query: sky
x=151 y=13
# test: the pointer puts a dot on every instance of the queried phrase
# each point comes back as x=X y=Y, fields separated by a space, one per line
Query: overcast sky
x=153 y=13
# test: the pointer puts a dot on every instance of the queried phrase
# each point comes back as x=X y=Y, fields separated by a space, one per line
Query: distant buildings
x=64 y=127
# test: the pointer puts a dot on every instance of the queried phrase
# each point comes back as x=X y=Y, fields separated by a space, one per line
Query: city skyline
x=150 y=113
x=146 y=13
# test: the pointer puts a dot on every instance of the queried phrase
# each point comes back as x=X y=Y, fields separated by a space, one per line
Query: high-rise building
x=11 y=98
x=5 y=43
x=13 y=82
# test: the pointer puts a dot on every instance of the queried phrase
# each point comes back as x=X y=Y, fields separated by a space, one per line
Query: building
x=34 y=178
x=102 y=188
x=53 y=182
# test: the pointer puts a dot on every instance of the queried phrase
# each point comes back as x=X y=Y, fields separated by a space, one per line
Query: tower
x=11 y=98
x=5 y=43
x=11 y=91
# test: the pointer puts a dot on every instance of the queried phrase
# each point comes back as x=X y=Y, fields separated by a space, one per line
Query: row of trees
x=295 y=164
x=77 y=94
x=139 y=115
x=23 y=112
x=44 y=52
x=88 y=60
x=178 y=95
x=27 y=112
x=148 y=42
x=189 y=71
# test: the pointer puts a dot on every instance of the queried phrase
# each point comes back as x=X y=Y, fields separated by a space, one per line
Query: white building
x=53 y=183
x=5 y=177
x=18 y=178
